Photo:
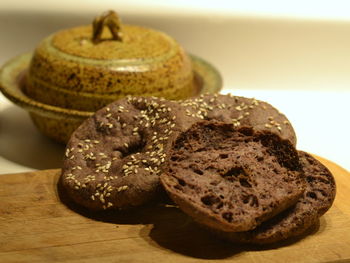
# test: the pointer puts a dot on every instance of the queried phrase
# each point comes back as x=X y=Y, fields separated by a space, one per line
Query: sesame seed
x=102 y=199
x=122 y=188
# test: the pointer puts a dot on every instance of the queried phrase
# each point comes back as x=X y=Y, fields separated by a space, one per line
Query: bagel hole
x=134 y=146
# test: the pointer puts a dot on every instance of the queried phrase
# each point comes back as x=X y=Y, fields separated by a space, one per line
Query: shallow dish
x=58 y=123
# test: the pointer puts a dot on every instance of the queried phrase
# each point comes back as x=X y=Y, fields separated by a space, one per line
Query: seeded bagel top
x=114 y=158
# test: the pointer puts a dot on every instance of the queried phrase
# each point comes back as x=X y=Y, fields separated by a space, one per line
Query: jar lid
x=125 y=43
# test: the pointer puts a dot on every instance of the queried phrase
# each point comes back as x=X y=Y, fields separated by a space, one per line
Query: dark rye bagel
x=232 y=179
x=114 y=159
x=316 y=200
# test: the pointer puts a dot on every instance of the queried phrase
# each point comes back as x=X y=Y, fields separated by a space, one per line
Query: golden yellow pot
x=72 y=69
x=74 y=72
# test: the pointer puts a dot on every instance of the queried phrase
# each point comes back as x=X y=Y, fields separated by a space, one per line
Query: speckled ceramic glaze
x=76 y=71
x=69 y=70
x=57 y=122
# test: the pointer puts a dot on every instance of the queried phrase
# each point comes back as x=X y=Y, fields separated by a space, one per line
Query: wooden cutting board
x=36 y=225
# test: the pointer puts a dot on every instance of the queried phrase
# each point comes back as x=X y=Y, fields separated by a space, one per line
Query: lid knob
x=112 y=21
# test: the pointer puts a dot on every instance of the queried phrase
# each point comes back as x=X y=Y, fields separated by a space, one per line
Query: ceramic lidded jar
x=85 y=68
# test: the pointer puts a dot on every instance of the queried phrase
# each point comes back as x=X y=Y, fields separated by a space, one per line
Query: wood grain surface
x=38 y=224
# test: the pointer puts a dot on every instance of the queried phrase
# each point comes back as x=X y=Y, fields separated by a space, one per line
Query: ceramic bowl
x=59 y=122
